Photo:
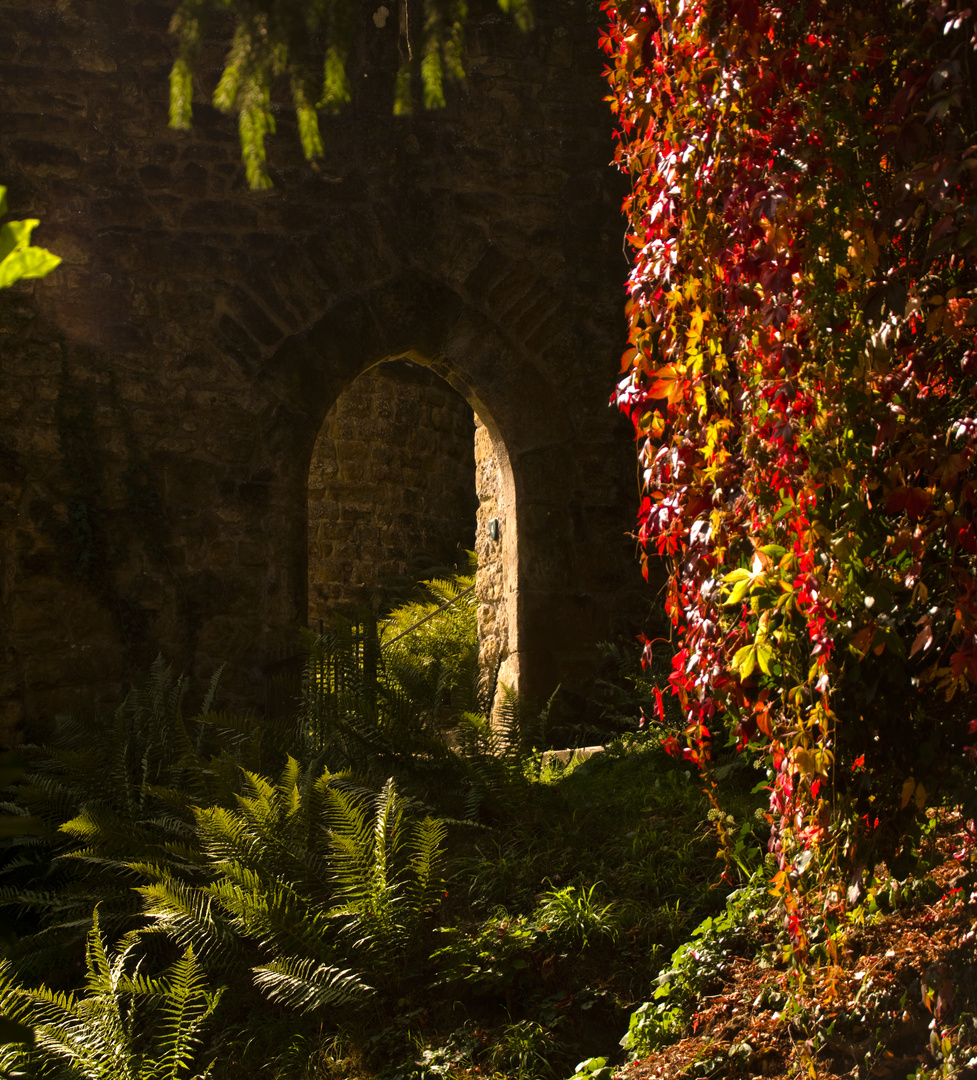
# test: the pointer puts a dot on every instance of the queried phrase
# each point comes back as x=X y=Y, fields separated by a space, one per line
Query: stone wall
x=391 y=485
x=161 y=393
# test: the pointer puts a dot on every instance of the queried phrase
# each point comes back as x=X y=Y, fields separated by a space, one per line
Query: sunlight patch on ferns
x=123 y=1025
x=302 y=984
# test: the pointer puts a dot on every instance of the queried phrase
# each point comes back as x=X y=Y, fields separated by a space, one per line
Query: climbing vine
x=800 y=375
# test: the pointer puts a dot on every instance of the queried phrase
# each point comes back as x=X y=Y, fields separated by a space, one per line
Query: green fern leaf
x=306 y=986
x=192 y=918
x=187 y=1006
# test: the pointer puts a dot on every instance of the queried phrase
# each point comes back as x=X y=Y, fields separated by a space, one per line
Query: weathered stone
x=367 y=465
x=219 y=333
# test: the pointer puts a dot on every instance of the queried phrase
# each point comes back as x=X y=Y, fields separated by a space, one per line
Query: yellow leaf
x=804 y=762
x=822 y=761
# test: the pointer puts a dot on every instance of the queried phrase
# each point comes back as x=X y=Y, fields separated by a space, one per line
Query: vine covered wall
x=800 y=378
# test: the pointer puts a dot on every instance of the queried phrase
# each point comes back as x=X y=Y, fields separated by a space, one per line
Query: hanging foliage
x=308 y=42
x=800 y=375
x=18 y=256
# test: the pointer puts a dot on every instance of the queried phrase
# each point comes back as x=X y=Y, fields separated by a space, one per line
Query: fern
x=122 y=1026
x=430 y=647
x=378 y=701
x=114 y=792
x=385 y=870
x=311 y=872
x=309 y=889
x=192 y=917
x=186 y=1006
x=274 y=916
x=304 y=985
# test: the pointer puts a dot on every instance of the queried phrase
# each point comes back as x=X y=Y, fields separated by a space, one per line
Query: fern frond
x=187 y=1006
x=193 y=919
x=288 y=783
x=350 y=841
x=13 y=1006
x=306 y=986
x=207 y=705
x=387 y=836
x=225 y=835
x=427 y=853
x=88 y=1031
x=277 y=915
x=102 y=1033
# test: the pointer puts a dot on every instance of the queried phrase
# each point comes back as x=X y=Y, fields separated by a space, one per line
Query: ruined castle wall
x=161 y=393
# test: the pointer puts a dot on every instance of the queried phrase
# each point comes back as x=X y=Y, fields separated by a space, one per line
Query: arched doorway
x=405 y=476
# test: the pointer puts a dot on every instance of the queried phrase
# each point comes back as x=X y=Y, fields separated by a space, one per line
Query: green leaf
x=744 y=661
x=764 y=655
x=253 y=125
x=181 y=96
x=18 y=259
x=301 y=984
x=335 y=82
x=403 y=104
x=785 y=509
x=739 y=591
x=520 y=10
x=432 y=79
x=15 y=236
x=309 y=132
x=31 y=263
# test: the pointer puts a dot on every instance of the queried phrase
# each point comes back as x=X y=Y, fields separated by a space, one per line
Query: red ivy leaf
x=915 y=501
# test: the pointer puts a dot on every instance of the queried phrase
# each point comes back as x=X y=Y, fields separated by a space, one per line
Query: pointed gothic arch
x=404 y=475
x=527 y=596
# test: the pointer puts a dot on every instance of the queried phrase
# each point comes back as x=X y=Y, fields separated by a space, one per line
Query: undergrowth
x=388 y=883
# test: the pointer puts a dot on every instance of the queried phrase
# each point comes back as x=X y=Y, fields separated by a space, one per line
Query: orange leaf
x=668 y=384
x=862 y=640
x=923 y=640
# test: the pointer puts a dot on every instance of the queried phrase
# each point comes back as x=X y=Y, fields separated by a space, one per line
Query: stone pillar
x=495 y=546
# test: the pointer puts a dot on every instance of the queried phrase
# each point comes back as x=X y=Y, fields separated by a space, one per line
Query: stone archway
x=404 y=475
x=548 y=621
x=566 y=593
x=210 y=330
